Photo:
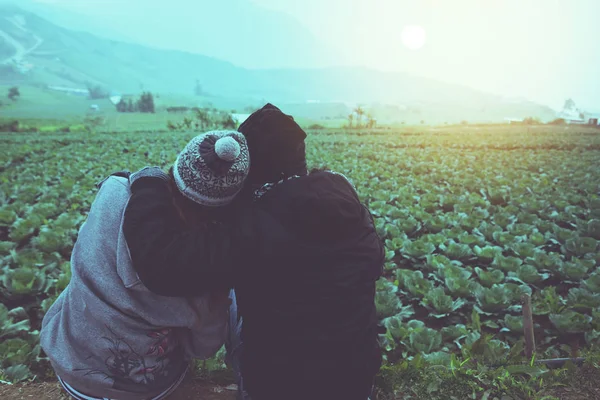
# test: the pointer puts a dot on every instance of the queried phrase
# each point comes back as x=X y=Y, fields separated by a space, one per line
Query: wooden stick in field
x=528 y=326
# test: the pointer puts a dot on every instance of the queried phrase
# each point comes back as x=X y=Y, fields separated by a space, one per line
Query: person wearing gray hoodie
x=107 y=336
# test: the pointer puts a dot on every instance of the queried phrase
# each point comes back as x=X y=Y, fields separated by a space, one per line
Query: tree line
x=144 y=104
x=203 y=120
x=355 y=119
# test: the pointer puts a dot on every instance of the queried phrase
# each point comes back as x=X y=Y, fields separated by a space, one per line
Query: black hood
x=276 y=145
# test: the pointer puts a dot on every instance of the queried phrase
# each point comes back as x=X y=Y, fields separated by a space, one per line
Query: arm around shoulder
x=170 y=258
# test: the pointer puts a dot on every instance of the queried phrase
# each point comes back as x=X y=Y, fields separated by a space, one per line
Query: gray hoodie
x=109 y=336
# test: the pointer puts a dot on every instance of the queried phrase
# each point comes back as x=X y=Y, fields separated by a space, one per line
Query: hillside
x=34 y=51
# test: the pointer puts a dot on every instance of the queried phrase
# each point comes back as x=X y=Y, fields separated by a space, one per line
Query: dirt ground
x=199 y=390
x=191 y=389
x=583 y=386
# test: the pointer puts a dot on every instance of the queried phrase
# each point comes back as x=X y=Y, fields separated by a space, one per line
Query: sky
x=542 y=50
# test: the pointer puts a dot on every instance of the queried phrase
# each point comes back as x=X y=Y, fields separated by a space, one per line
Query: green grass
x=428 y=187
x=39 y=107
x=416 y=379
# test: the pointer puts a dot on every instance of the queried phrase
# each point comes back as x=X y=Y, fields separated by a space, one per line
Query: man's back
x=306 y=292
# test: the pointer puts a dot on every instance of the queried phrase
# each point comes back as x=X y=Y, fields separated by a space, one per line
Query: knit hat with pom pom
x=212 y=168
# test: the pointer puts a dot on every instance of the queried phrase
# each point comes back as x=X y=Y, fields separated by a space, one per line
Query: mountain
x=34 y=51
x=238 y=31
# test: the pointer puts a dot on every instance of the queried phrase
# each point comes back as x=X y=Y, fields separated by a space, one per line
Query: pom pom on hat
x=227 y=148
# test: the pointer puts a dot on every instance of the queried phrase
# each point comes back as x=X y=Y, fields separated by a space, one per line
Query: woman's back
x=107 y=335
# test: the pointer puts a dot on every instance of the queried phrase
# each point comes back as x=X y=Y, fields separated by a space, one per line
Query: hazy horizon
x=539 y=50
x=542 y=50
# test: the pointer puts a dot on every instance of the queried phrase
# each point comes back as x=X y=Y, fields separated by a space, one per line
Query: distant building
x=571 y=114
x=73 y=91
x=513 y=120
x=592 y=118
x=572 y=119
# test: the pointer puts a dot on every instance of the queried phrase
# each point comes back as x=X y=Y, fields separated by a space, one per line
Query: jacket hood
x=276 y=145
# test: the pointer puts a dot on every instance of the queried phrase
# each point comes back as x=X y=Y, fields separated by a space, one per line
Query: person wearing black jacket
x=303 y=256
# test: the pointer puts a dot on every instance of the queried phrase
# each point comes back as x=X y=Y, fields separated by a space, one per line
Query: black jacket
x=303 y=258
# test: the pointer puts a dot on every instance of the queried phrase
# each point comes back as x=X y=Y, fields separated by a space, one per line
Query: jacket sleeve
x=207 y=330
x=170 y=258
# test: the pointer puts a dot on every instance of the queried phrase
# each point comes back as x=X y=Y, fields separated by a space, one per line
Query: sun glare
x=413 y=37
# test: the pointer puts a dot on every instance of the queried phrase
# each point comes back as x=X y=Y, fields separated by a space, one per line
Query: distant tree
x=350 y=120
x=226 y=121
x=203 y=118
x=171 y=126
x=14 y=93
x=370 y=121
x=146 y=103
x=198 y=88
x=150 y=103
x=569 y=104
x=10 y=126
x=122 y=106
x=422 y=122
x=97 y=92
x=359 y=114
x=557 y=121
x=531 y=121
x=128 y=106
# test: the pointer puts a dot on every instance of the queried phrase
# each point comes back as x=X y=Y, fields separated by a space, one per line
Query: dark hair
x=180 y=199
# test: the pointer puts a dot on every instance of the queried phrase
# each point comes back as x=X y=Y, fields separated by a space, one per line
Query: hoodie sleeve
x=170 y=258
x=208 y=329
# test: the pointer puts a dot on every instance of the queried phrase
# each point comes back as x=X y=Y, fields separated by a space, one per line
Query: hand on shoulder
x=148 y=172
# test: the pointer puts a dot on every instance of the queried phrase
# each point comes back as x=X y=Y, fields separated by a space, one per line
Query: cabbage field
x=472 y=218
